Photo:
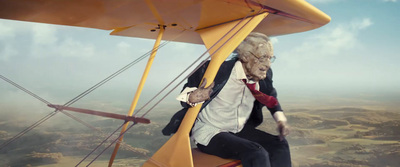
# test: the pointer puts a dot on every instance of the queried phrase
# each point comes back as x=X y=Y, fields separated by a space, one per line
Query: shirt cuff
x=280 y=116
x=184 y=96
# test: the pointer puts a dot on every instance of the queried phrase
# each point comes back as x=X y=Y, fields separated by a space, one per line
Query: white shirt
x=228 y=111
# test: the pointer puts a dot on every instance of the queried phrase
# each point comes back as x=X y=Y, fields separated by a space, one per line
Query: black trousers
x=253 y=147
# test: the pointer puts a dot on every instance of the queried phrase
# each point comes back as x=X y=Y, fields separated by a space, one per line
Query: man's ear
x=244 y=59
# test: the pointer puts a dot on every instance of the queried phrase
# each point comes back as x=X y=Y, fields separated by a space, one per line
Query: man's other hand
x=283 y=129
x=201 y=94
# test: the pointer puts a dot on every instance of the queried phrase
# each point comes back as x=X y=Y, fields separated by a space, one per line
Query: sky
x=355 y=56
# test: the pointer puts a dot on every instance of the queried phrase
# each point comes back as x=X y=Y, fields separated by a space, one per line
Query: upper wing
x=140 y=18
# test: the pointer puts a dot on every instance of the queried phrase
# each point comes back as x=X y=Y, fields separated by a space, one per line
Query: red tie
x=268 y=101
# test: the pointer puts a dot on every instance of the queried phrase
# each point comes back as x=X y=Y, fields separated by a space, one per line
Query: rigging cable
x=23 y=89
x=202 y=63
x=27 y=130
x=102 y=134
x=44 y=118
x=106 y=80
x=37 y=123
x=169 y=84
x=116 y=140
x=174 y=87
x=169 y=91
x=100 y=144
x=72 y=101
x=113 y=75
x=122 y=134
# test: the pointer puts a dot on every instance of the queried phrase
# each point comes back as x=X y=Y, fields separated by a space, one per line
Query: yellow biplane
x=218 y=24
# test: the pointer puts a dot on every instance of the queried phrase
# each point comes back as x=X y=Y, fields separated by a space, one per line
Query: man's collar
x=240 y=74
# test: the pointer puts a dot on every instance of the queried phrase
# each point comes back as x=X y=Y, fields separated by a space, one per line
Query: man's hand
x=202 y=93
x=283 y=129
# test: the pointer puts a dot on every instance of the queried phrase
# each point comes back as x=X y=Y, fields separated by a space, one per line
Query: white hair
x=255 y=43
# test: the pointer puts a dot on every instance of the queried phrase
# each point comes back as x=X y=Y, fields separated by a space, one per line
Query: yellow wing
x=199 y=20
x=139 y=18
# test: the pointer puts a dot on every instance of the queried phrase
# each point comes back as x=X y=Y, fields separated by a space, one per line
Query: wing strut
x=139 y=90
x=100 y=113
x=176 y=152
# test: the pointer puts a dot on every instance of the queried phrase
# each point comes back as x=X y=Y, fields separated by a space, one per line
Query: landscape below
x=329 y=136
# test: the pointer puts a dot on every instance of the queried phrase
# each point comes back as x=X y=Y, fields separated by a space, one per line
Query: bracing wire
x=23 y=89
x=76 y=98
x=175 y=86
x=125 y=122
x=72 y=101
x=81 y=121
x=170 y=90
x=202 y=63
x=27 y=130
x=100 y=144
x=122 y=134
x=113 y=75
x=41 y=120
x=83 y=94
x=37 y=123
x=176 y=78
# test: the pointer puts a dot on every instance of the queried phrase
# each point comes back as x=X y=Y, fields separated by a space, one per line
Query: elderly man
x=232 y=109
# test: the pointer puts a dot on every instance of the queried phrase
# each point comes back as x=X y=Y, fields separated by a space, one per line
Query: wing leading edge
x=185 y=17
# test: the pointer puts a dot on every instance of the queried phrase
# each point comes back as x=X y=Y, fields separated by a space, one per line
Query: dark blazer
x=220 y=80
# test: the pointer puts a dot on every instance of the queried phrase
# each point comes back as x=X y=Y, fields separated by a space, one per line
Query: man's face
x=256 y=64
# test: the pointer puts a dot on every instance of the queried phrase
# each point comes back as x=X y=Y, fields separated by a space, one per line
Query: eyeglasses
x=264 y=58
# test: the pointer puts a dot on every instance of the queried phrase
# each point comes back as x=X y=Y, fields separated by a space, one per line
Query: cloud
x=333 y=40
x=274 y=40
x=123 y=45
x=49 y=42
x=36 y=40
x=74 y=48
x=124 y=48
x=389 y=0
x=7 y=52
x=44 y=34
x=320 y=59
x=7 y=35
x=364 y=23
x=68 y=47
x=6 y=31
x=322 y=1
